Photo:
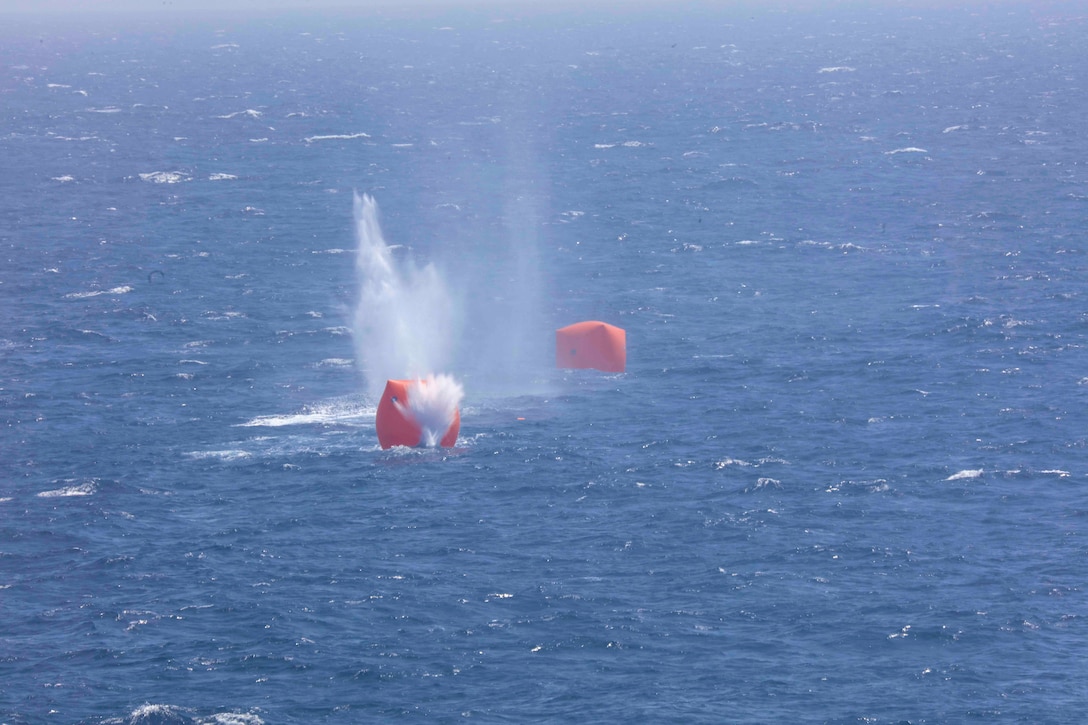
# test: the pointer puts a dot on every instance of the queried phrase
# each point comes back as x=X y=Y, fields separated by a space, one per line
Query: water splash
x=433 y=402
x=403 y=323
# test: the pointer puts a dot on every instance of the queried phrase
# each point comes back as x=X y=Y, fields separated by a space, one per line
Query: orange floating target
x=399 y=420
x=591 y=344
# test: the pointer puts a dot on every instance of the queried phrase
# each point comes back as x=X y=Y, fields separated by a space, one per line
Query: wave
x=84 y=295
x=248 y=112
x=336 y=412
x=164 y=177
x=627 y=144
x=233 y=454
x=82 y=489
x=153 y=714
x=335 y=362
x=336 y=136
x=228 y=315
x=965 y=474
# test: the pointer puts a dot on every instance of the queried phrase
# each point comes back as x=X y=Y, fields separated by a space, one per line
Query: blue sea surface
x=841 y=480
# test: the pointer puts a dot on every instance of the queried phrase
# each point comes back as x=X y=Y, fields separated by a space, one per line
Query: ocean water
x=842 y=479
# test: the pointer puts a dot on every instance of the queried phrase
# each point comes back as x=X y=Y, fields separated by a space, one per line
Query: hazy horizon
x=81 y=7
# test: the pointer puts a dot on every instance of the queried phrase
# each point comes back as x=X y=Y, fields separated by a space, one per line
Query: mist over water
x=505 y=347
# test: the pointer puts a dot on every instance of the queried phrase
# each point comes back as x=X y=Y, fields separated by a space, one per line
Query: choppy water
x=842 y=479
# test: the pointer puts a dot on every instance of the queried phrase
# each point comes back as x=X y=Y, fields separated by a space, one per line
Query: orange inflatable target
x=398 y=425
x=591 y=344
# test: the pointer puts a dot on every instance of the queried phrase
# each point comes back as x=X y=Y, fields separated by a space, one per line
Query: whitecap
x=154 y=713
x=248 y=112
x=83 y=489
x=64 y=179
x=233 y=718
x=838 y=69
x=279 y=421
x=226 y=455
x=907 y=150
x=164 y=177
x=965 y=474
x=95 y=293
x=950 y=129
x=323 y=414
x=604 y=145
x=221 y=177
x=228 y=315
x=336 y=362
x=336 y=136
x=107 y=109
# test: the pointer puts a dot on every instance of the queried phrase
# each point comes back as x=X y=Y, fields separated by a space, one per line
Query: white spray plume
x=433 y=402
x=404 y=320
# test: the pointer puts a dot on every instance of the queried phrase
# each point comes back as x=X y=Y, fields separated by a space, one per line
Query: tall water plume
x=404 y=321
